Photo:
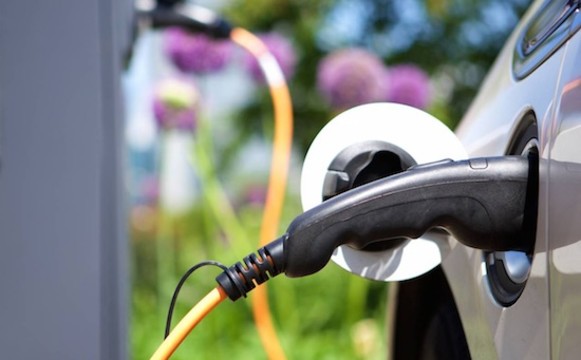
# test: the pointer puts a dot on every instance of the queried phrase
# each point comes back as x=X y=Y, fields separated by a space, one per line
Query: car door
x=504 y=301
x=563 y=152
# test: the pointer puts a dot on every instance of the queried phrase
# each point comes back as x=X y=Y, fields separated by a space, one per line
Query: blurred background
x=198 y=144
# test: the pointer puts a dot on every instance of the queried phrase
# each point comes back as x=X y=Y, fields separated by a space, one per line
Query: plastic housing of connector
x=485 y=203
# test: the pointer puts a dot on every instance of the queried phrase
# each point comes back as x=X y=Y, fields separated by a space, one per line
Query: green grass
x=330 y=315
x=317 y=317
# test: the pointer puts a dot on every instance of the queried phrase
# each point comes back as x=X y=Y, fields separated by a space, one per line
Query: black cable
x=179 y=287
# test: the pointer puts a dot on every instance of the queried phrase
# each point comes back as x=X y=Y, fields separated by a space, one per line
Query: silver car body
x=545 y=321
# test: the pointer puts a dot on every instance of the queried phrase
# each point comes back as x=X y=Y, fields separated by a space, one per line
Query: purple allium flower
x=282 y=50
x=150 y=190
x=408 y=85
x=175 y=104
x=196 y=53
x=255 y=195
x=351 y=77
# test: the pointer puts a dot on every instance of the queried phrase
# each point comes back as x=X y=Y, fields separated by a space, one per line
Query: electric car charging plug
x=485 y=203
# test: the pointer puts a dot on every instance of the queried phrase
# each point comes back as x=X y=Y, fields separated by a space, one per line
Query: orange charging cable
x=188 y=323
x=280 y=163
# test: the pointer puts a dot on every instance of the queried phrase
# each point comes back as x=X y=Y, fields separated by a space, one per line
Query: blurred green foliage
x=316 y=316
x=326 y=316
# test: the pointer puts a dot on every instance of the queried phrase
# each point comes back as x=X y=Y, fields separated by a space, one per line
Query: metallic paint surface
x=521 y=331
x=564 y=209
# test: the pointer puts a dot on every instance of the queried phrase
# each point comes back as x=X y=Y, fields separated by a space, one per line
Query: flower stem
x=214 y=195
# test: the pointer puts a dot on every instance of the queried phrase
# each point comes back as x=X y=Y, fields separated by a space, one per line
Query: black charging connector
x=189 y=17
x=484 y=203
x=175 y=13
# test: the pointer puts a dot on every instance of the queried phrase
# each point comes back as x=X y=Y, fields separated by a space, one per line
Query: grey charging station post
x=63 y=258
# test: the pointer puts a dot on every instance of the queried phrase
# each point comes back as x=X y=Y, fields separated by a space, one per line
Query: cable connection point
x=255 y=269
x=190 y=17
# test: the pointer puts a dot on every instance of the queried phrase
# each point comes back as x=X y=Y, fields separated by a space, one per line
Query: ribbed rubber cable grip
x=253 y=270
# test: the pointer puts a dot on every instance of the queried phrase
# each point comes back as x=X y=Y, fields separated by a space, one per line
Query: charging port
x=508 y=271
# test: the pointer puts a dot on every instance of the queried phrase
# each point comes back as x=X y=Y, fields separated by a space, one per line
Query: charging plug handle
x=485 y=203
x=482 y=202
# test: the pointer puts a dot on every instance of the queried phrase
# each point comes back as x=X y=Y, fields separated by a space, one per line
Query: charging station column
x=63 y=258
